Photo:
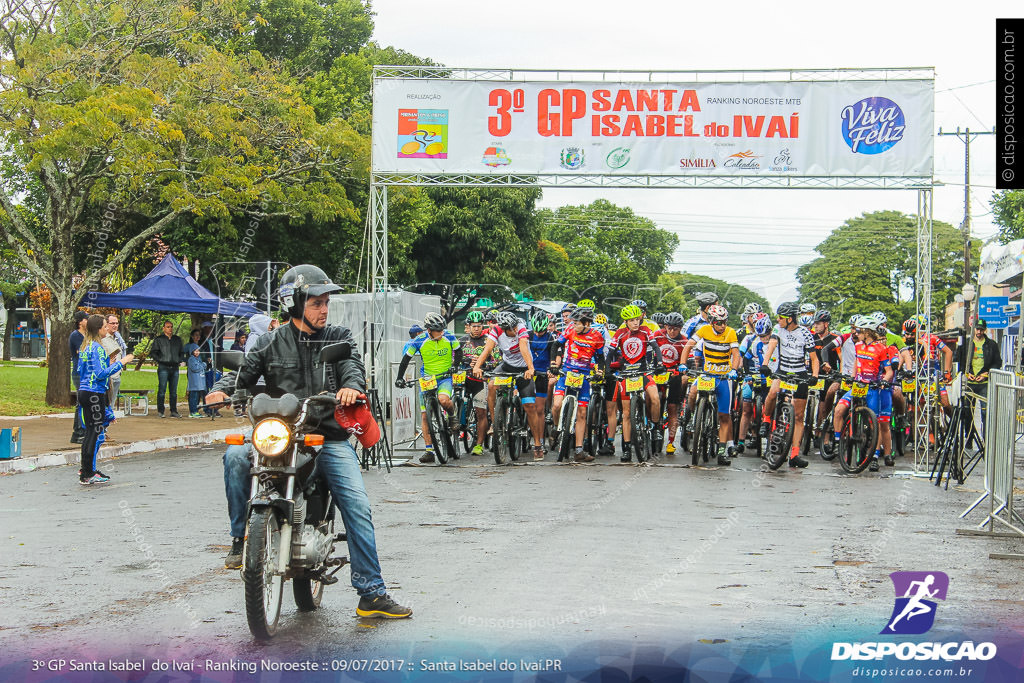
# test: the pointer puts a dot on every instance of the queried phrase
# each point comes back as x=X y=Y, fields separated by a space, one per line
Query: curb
x=70 y=457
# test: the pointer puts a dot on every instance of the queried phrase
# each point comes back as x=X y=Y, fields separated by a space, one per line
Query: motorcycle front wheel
x=262 y=584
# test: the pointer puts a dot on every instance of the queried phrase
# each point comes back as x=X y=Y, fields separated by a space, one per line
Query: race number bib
x=705 y=383
x=634 y=384
x=427 y=383
x=662 y=378
x=859 y=390
x=459 y=378
x=788 y=386
x=574 y=380
x=502 y=381
x=909 y=385
x=818 y=386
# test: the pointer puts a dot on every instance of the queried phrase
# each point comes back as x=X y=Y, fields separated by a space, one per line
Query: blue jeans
x=167 y=378
x=340 y=466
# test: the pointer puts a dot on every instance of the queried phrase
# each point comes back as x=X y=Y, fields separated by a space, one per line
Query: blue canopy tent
x=169 y=287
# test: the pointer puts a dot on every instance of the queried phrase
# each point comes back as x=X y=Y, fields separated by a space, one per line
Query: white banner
x=1000 y=261
x=778 y=128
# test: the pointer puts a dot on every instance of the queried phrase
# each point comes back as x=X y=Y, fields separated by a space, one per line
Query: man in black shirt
x=168 y=353
x=74 y=344
x=828 y=360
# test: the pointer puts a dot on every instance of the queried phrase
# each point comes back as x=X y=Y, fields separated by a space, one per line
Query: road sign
x=992 y=309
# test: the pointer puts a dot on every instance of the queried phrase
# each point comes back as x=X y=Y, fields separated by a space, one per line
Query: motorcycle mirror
x=335 y=352
x=232 y=360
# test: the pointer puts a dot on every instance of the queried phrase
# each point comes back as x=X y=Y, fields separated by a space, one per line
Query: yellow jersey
x=717 y=348
x=648 y=323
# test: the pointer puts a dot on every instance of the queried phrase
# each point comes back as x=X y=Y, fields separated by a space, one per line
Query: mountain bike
x=511 y=431
x=810 y=415
x=597 y=416
x=704 y=442
x=826 y=446
x=658 y=430
x=780 y=440
x=565 y=441
x=634 y=381
x=437 y=418
x=859 y=435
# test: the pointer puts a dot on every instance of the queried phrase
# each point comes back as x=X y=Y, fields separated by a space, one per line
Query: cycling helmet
x=659 y=318
x=586 y=303
x=808 y=308
x=788 y=309
x=492 y=316
x=806 y=320
x=880 y=317
x=630 y=312
x=601 y=319
x=705 y=299
x=752 y=309
x=762 y=324
x=507 y=320
x=922 y=320
x=568 y=307
x=869 y=322
x=909 y=326
x=717 y=314
x=852 y=318
x=857 y=320
x=823 y=316
x=298 y=284
x=415 y=331
x=539 y=323
x=474 y=317
x=639 y=303
x=434 y=321
x=674 y=319
x=583 y=315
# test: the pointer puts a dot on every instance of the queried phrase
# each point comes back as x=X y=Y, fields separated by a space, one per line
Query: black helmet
x=434 y=321
x=583 y=315
x=674 y=319
x=298 y=284
x=788 y=309
x=822 y=317
x=659 y=318
x=705 y=299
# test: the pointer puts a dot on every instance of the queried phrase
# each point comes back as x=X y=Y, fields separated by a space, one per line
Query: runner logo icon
x=916 y=593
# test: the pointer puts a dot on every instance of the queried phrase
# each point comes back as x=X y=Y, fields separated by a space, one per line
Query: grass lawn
x=23 y=388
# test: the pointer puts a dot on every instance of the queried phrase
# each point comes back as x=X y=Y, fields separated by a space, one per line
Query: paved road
x=530 y=555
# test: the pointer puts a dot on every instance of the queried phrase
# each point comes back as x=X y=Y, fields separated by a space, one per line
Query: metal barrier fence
x=1002 y=430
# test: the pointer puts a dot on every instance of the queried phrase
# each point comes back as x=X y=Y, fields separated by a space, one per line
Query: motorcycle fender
x=282 y=506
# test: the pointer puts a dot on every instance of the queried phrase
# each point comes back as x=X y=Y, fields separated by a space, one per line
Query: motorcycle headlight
x=271 y=437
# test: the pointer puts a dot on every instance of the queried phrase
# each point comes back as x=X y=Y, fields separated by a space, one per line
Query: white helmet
x=870 y=322
x=805 y=320
x=752 y=308
x=808 y=308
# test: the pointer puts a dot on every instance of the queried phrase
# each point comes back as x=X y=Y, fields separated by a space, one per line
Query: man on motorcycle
x=288 y=360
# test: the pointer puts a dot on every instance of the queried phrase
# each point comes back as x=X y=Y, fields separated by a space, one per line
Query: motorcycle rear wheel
x=308 y=593
x=262 y=585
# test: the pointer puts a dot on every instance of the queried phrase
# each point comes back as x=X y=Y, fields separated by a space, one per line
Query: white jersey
x=794 y=348
x=509 y=346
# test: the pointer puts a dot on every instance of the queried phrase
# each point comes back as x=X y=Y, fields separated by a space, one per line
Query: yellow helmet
x=586 y=303
x=601 y=319
x=631 y=311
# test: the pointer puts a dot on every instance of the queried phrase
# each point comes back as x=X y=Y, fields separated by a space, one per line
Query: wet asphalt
x=537 y=555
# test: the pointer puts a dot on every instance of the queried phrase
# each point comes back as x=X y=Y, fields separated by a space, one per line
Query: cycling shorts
x=444 y=387
x=584 y=395
x=540 y=384
x=526 y=387
x=801 y=389
x=878 y=400
x=675 y=388
x=620 y=387
x=723 y=389
x=609 y=387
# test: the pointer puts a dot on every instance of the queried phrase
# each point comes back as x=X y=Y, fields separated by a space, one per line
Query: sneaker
x=670 y=449
x=538 y=453
x=478 y=449
x=763 y=430
x=582 y=456
x=890 y=461
x=873 y=467
x=740 y=447
x=381 y=607
x=96 y=478
x=196 y=415
x=723 y=459
x=177 y=415
x=161 y=413
x=608 y=448
x=427 y=457
x=234 y=558
x=797 y=461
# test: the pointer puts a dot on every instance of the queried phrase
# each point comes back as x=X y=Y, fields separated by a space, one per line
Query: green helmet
x=474 y=317
x=539 y=323
x=631 y=311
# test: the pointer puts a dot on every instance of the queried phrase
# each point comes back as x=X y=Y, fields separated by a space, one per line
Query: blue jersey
x=94 y=368
x=540 y=348
x=752 y=352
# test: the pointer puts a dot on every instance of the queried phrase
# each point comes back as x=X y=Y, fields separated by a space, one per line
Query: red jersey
x=632 y=346
x=580 y=349
x=671 y=349
x=872 y=359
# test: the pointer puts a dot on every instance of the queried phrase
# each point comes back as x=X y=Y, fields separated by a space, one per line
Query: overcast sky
x=764 y=234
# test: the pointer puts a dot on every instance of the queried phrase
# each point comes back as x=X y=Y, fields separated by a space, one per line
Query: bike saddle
x=287 y=407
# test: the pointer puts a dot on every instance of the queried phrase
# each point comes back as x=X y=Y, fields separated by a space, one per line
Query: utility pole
x=965 y=228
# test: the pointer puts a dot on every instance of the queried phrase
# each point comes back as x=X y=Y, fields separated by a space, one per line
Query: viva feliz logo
x=873 y=125
x=914 y=614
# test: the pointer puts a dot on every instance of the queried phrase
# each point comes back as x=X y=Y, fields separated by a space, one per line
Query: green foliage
x=1008 y=214
x=870 y=263
x=679 y=291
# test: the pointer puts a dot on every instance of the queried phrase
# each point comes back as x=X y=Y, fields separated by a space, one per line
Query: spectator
x=207 y=351
x=168 y=353
x=94 y=368
x=259 y=325
x=985 y=357
x=240 y=339
x=113 y=349
x=75 y=344
x=115 y=324
x=196 y=375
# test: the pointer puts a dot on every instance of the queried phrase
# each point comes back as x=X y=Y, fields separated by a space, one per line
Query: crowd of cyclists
x=748 y=367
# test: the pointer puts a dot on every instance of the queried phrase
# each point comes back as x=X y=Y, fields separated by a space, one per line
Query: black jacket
x=287 y=360
x=167 y=351
x=990 y=355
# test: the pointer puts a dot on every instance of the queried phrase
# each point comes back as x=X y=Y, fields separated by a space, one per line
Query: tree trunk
x=10 y=305
x=58 y=378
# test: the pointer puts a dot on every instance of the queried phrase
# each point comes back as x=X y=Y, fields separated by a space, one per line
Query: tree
x=1008 y=214
x=870 y=263
x=679 y=292
x=130 y=119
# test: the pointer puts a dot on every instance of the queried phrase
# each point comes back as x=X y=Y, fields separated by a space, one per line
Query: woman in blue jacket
x=94 y=368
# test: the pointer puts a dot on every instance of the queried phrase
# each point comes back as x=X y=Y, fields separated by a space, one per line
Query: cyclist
x=808 y=309
x=473 y=345
x=829 y=361
x=671 y=342
x=929 y=346
x=722 y=359
x=874 y=362
x=795 y=345
x=509 y=335
x=647 y=322
x=749 y=311
x=894 y=343
x=581 y=348
x=491 y=318
x=440 y=351
x=704 y=300
x=632 y=344
x=806 y=321
x=752 y=353
x=542 y=346
x=564 y=322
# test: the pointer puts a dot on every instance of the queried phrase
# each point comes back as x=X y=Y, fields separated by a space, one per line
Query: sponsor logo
x=422 y=133
x=617 y=158
x=782 y=162
x=746 y=161
x=495 y=157
x=669 y=353
x=572 y=158
x=633 y=347
x=916 y=592
x=697 y=163
x=873 y=125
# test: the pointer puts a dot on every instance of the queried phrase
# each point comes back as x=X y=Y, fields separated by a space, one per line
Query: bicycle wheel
x=897 y=428
x=781 y=439
x=641 y=429
x=857 y=440
x=566 y=437
x=705 y=434
x=515 y=424
x=828 y=450
x=499 y=437
x=437 y=434
x=469 y=433
x=593 y=436
x=758 y=411
x=807 y=438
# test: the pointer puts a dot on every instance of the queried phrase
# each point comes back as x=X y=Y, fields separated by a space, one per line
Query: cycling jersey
x=649 y=324
x=872 y=359
x=509 y=346
x=752 y=352
x=794 y=348
x=580 y=349
x=437 y=354
x=717 y=348
x=603 y=330
x=473 y=347
x=541 y=346
x=671 y=349
x=933 y=345
x=826 y=350
x=632 y=346
x=690 y=326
